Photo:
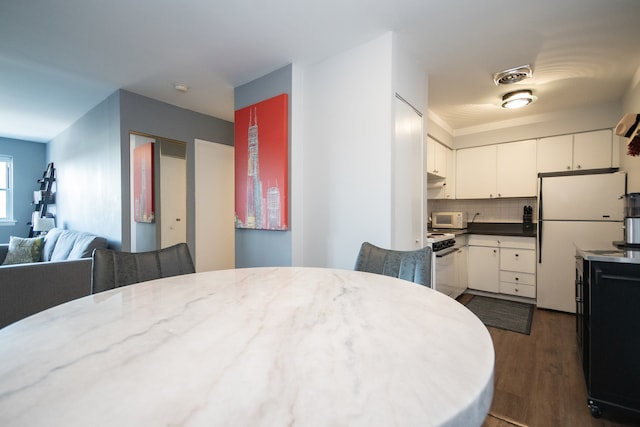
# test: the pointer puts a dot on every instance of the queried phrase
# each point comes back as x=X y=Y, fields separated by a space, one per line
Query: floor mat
x=509 y=315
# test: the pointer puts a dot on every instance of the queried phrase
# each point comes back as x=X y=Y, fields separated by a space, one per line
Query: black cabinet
x=608 y=325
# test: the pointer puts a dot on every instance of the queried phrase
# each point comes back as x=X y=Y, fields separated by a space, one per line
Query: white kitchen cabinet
x=443 y=188
x=483 y=268
x=476 y=172
x=587 y=150
x=516 y=169
x=499 y=170
x=450 y=180
x=502 y=264
x=555 y=153
x=592 y=150
x=517 y=270
x=436 y=158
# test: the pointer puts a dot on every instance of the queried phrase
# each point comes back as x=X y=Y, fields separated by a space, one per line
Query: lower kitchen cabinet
x=518 y=269
x=483 y=268
x=502 y=264
x=607 y=314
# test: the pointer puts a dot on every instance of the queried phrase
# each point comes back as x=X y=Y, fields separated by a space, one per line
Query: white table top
x=250 y=347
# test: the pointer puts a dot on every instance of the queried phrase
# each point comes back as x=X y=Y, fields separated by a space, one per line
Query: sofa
x=62 y=274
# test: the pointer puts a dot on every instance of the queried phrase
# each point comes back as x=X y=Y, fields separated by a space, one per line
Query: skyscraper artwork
x=261 y=165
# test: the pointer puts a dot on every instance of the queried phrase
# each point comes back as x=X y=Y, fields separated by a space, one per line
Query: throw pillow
x=23 y=250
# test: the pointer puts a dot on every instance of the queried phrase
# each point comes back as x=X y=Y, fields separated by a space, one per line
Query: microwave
x=449 y=220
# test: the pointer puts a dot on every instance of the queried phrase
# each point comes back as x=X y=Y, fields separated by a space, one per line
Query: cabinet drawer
x=515 y=242
x=518 y=260
x=518 y=278
x=517 y=289
x=483 y=240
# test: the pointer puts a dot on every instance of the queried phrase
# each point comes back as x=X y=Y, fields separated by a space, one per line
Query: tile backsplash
x=489 y=210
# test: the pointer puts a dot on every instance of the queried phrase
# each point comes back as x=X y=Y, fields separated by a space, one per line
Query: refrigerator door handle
x=540 y=241
x=540 y=222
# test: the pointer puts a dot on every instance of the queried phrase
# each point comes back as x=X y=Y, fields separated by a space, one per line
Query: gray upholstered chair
x=112 y=269
x=414 y=266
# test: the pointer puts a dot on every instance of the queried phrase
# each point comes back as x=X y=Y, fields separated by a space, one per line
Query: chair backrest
x=112 y=269
x=414 y=266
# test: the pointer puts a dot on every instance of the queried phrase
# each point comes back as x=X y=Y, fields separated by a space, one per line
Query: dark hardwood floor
x=538 y=380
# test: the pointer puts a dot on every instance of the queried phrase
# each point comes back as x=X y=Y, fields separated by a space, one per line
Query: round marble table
x=250 y=347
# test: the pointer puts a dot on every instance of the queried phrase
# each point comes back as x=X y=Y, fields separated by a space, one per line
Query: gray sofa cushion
x=61 y=245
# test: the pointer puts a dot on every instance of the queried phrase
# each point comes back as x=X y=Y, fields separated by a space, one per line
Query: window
x=6 y=187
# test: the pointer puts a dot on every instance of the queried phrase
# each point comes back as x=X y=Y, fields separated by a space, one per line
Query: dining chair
x=414 y=266
x=112 y=269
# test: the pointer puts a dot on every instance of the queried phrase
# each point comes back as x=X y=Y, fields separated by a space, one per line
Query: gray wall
x=87 y=160
x=29 y=163
x=92 y=158
x=258 y=248
x=148 y=116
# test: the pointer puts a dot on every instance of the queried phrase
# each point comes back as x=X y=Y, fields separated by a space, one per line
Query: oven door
x=445 y=274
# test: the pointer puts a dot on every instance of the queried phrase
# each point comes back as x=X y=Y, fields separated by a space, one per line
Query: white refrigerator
x=574 y=208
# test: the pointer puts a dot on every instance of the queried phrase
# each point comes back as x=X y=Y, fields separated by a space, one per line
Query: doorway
x=168 y=224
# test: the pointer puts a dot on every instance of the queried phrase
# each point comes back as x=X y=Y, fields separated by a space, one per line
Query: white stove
x=442 y=262
x=440 y=241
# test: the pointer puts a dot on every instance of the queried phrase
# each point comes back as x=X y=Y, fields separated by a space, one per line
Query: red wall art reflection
x=261 y=165
x=143 y=207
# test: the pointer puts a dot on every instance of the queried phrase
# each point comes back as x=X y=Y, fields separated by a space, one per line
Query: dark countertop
x=503 y=229
x=498 y=229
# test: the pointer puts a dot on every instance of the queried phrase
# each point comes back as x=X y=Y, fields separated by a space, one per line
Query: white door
x=173 y=200
x=215 y=211
x=408 y=178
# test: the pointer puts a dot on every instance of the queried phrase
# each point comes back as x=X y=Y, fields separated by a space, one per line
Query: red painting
x=143 y=201
x=262 y=164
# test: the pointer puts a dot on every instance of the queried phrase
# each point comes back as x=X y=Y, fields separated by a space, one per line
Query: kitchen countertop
x=495 y=228
x=607 y=252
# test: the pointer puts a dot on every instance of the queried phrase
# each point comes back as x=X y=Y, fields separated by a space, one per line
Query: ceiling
x=59 y=59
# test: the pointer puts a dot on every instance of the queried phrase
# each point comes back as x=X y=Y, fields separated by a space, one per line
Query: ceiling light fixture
x=181 y=87
x=517 y=99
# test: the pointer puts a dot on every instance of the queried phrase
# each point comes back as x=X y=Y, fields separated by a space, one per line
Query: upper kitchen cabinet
x=476 y=172
x=587 y=150
x=436 y=158
x=516 y=169
x=501 y=170
x=441 y=187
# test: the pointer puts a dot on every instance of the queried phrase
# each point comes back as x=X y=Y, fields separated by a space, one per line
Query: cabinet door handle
x=516 y=255
x=517 y=278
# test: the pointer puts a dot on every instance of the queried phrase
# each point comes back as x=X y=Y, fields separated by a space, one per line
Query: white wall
x=347 y=154
x=631 y=164
x=343 y=115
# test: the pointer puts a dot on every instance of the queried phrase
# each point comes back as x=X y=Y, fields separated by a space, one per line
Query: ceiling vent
x=513 y=75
